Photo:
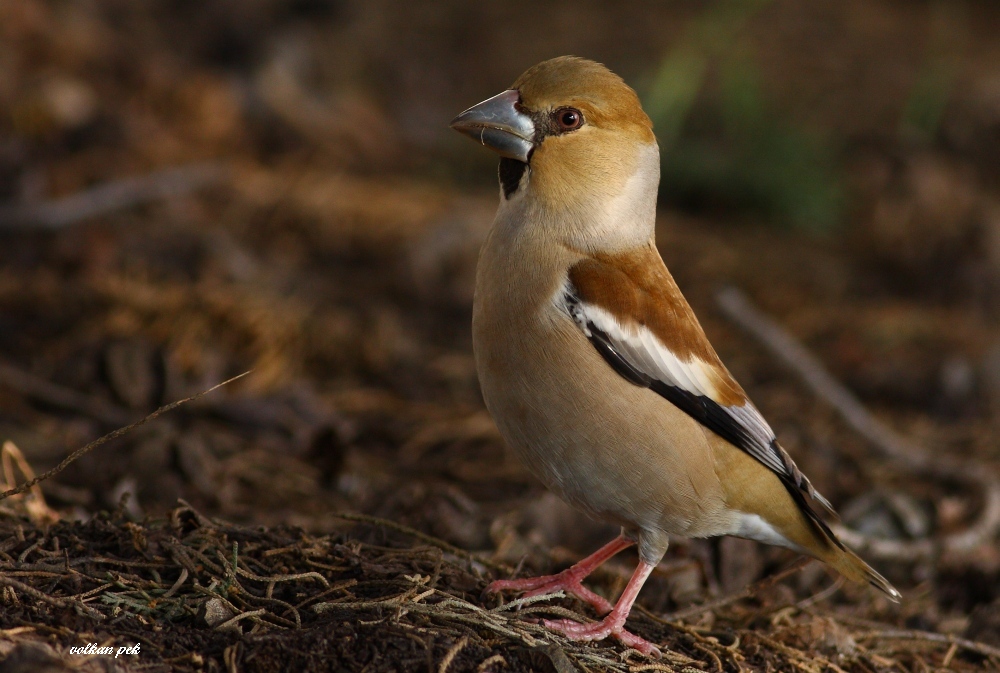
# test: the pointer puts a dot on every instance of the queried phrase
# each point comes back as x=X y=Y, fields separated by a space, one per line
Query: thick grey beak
x=499 y=125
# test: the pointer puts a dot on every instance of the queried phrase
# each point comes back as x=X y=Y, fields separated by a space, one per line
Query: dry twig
x=112 y=435
x=413 y=532
x=36 y=507
x=905 y=634
x=110 y=197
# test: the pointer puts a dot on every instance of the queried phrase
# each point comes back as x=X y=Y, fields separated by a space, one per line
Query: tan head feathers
x=570 y=81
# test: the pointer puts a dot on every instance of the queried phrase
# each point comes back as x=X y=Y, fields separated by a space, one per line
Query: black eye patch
x=556 y=122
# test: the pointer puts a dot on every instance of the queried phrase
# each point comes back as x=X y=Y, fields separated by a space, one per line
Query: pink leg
x=570 y=579
x=614 y=623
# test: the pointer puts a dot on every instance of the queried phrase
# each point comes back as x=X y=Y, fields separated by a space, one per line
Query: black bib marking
x=511 y=171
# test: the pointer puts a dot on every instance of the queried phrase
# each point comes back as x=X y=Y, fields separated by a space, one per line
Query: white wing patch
x=693 y=378
x=647 y=353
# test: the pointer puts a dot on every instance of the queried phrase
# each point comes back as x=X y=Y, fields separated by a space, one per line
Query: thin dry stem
x=66 y=462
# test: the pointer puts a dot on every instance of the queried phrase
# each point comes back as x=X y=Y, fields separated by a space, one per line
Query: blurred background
x=192 y=189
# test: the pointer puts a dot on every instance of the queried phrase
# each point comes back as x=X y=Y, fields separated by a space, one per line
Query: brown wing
x=631 y=309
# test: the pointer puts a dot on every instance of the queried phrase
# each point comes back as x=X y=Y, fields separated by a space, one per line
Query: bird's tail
x=827 y=547
x=792 y=515
x=850 y=565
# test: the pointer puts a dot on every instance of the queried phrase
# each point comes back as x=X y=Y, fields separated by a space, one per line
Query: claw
x=547 y=584
x=609 y=626
x=569 y=580
x=613 y=624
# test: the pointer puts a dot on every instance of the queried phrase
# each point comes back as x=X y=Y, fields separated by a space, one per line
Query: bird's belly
x=612 y=449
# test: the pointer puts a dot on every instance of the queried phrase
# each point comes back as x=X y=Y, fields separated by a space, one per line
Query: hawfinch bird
x=593 y=364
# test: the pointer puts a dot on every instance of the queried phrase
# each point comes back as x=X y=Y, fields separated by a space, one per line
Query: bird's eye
x=568 y=119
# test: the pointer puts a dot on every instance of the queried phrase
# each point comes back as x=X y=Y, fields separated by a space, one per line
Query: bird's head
x=571 y=135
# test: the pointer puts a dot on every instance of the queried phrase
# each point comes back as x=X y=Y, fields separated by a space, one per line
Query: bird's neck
x=610 y=215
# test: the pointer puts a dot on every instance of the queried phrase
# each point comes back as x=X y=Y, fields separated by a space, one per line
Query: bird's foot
x=569 y=580
x=612 y=625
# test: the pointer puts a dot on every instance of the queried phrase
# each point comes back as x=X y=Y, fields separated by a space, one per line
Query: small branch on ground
x=112 y=435
x=109 y=197
x=423 y=537
x=37 y=509
x=902 y=634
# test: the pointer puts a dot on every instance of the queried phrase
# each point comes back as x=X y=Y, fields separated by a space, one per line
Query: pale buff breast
x=613 y=449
